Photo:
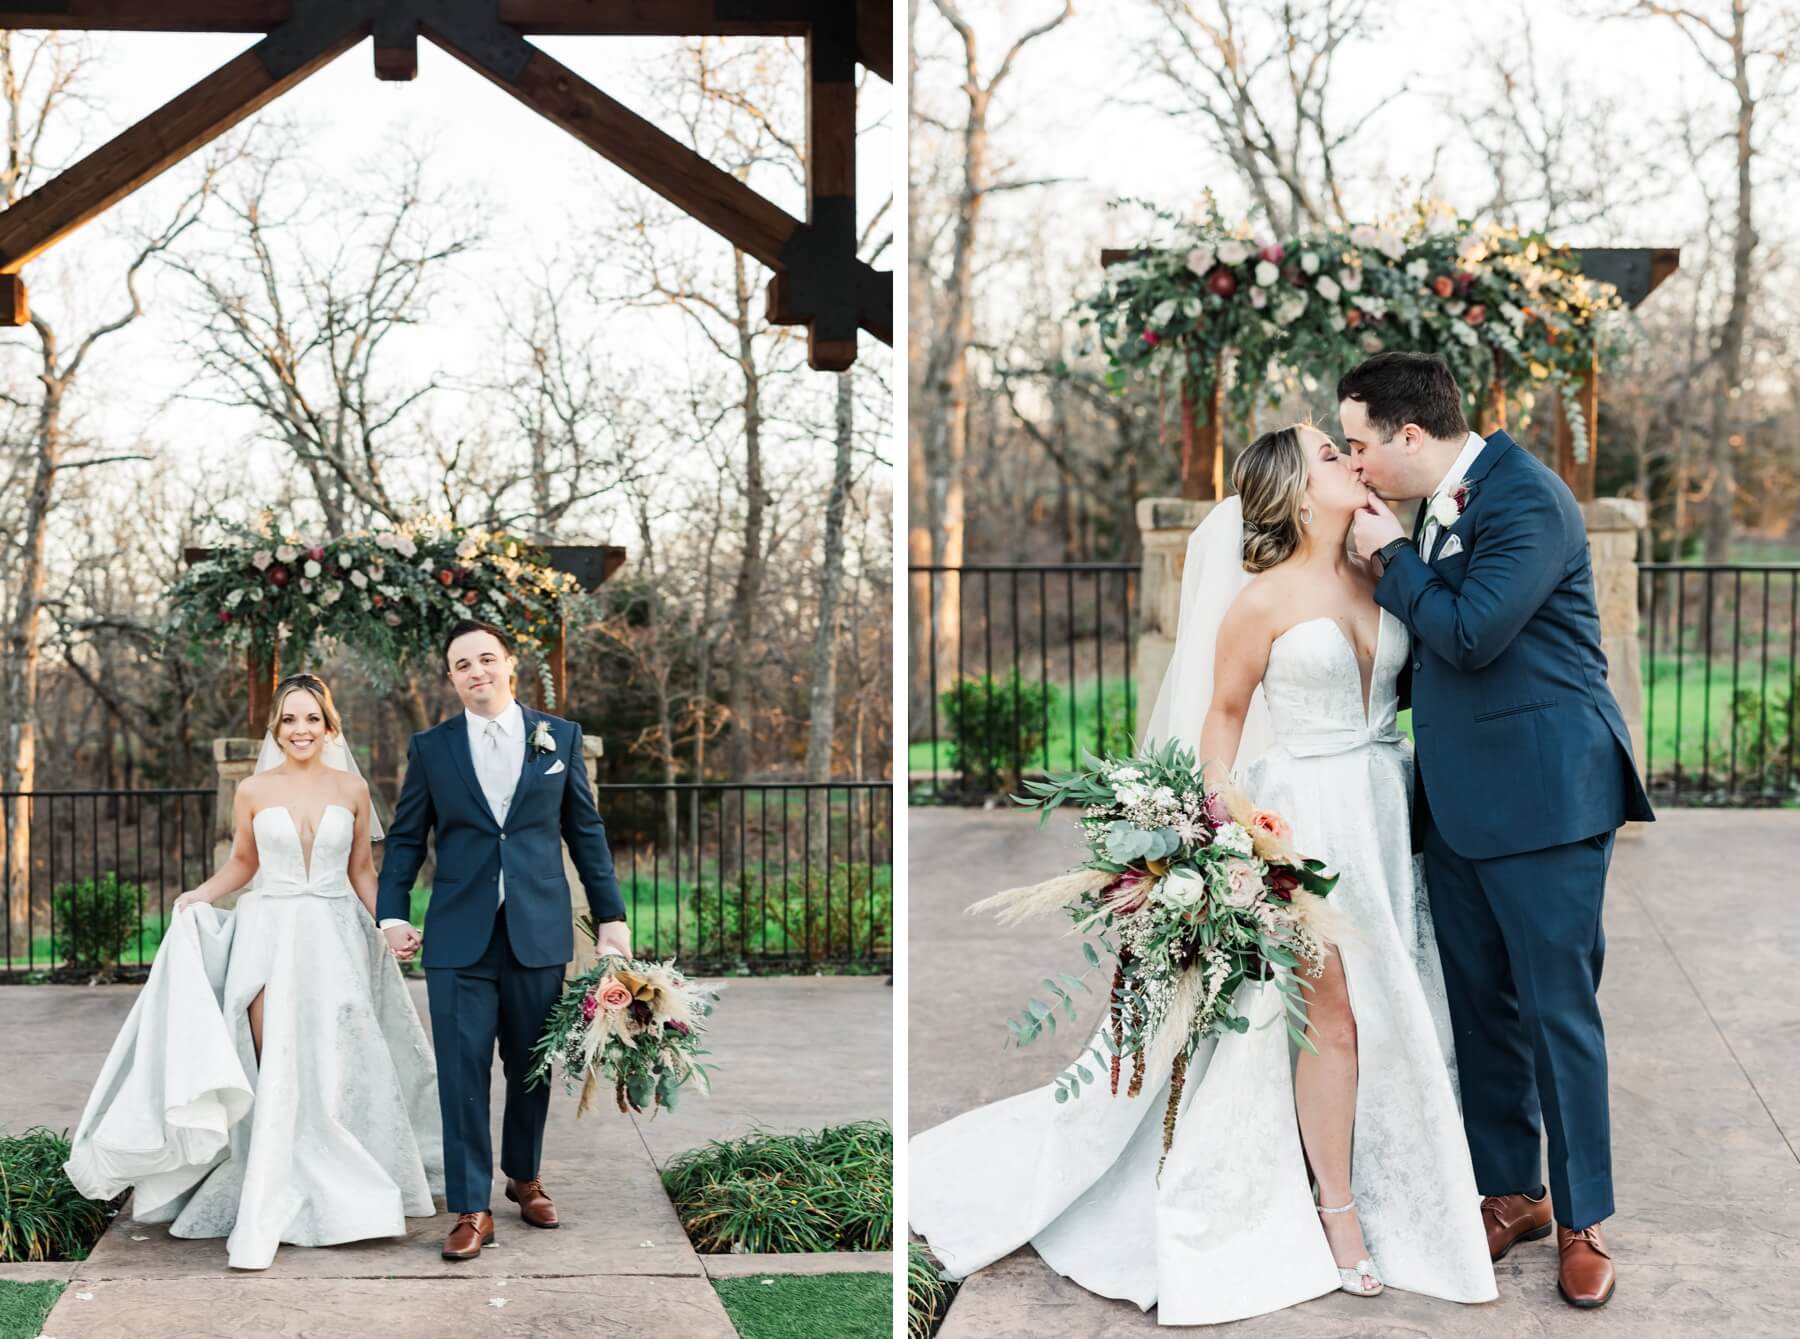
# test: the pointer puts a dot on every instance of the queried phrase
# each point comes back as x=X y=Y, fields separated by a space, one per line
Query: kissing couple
x=1472 y=865
x=273 y=1083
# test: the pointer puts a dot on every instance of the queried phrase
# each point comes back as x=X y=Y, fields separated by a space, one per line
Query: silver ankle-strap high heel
x=1351 y=1280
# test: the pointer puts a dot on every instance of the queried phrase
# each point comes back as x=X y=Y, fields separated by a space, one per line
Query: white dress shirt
x=1458 y=469
x=497 y=748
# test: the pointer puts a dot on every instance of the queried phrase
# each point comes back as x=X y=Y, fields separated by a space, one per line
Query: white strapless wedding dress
x=336 y=1135
x=1230 y=1230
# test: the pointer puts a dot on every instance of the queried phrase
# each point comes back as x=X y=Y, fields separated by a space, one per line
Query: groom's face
x=481 y=672
x=1383 y=461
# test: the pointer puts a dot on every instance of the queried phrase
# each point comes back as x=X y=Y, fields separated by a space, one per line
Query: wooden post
x=1203 y=444
x=559 y=668
x=263 y=674
x=1580 y=476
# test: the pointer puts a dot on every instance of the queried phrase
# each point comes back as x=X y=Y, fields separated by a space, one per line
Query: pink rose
x=614 y=996
x=1273 y=824
x=1244 y=882
x=1272 y=253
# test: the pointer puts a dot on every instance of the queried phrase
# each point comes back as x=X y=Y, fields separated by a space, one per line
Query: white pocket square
x=1453 y=545
x=557 y=768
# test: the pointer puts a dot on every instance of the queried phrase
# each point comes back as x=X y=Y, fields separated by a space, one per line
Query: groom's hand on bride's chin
x=1375 y=525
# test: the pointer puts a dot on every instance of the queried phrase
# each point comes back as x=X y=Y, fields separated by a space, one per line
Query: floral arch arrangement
x=389 y=595
x=1509 y=311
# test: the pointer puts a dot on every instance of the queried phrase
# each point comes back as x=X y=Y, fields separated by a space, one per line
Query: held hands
x=403 y=941
x=1374 y=525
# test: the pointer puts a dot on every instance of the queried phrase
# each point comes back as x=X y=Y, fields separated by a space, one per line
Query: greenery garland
x=1498 y=304
x=389 y=595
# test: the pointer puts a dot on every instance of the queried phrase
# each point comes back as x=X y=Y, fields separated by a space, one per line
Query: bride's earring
x=1306 y=516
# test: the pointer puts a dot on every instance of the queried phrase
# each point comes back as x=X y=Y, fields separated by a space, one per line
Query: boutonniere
x=541 y=738
x=1445 y=508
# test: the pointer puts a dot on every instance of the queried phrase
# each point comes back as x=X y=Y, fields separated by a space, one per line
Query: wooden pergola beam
x=143 y=152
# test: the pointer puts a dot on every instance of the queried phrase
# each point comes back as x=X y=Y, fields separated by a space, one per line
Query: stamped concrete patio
x=793 y=1054
x=1703 y=1027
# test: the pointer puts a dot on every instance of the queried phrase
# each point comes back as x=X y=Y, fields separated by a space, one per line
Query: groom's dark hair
x=1400 y=388
x=468 y=625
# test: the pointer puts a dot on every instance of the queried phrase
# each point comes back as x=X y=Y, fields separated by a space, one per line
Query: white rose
x=345 y=559
x=1338 y=323
x=392 y=619
x=1370 y=342
x=1266 y=274
x=386 y=540
x=1328 y=289
x=1419 y=268
x=305 y=587
x=261 y=559
x=312 y=569
x=1234 y=252
x=1444 y=510
x=1351 y=278
x=234 y=599
x=332 y=595
x=1243 y=883
x=1309 y=262
x=1390 y=245
x=1163 y=313
x=1364 y=238
x=1182 y=888
x=1471 y=248
x=287 y=553
x=358 y=580
x=1290 y=308
x=1259 y=298
x=1200 y=260
x=406 y=548
x=467 y=549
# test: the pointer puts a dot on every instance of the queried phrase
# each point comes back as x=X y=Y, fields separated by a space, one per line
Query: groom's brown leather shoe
x=534 y=1205
x=1511 y=1219
x=471 y=1233
x=1585 y=1277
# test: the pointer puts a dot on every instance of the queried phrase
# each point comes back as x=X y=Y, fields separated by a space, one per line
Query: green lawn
x=23 y=1307
x=810 y=1306
x=1062 y=746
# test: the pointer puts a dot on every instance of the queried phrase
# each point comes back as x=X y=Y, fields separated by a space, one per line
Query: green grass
x=832 y=1190
x=23 y=1307
x=928 y=1293
x=810 y=1306
x=1061 y=749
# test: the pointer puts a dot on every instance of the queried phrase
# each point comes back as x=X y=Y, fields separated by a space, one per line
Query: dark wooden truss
x=818 y=280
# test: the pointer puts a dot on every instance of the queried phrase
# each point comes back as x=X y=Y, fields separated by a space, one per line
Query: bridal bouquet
x=635 y=1023
x=1192 y=891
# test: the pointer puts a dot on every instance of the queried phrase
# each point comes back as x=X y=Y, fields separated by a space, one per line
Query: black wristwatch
x=1387 y=551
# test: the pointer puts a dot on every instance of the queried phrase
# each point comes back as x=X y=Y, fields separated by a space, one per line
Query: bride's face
x=301 y=729
x=1332 y=486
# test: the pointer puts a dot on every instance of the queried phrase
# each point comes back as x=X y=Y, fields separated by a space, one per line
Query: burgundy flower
x=1460 y=496
x=224 y=615
x=1273 y=253
x=676 y=1026
x=1130 y=893
x=1152 y=338
x=1295 y=276
x=278 y=576
x=317 y=555
x=1222 y=282
x=1214 y=808
x=641 y=1012
x=1282 y=884
x=1464 y=281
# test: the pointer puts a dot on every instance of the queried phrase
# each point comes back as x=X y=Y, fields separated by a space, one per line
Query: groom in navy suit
x=1524 y=773
x=503 y=787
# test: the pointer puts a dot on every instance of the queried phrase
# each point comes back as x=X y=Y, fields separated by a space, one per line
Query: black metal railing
x=756 y=876
x=1026 y=686
x=84 y=869
x=1719 y=644
x=1063 y=637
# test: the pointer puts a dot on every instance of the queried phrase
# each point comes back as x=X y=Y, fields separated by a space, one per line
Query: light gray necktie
x=493 y=781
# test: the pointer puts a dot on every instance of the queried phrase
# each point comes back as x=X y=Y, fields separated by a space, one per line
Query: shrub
x=96 y=921
x=995 y=725
x=822 y=919
x=928 y=1293
x=827 y=1191
x=42 y=1215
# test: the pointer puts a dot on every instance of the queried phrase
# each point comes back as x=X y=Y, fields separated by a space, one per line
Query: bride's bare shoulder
x=1259 y=603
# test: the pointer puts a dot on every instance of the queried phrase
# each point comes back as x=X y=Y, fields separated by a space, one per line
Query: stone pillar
x=1164 y=524
x=593 y=750
x=1613 y=526
x=233 y=759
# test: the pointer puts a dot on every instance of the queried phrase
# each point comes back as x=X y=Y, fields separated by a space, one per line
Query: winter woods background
x=1602 y=122
x=376 y=302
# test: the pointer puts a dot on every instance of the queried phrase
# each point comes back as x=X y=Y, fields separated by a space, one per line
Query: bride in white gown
x=272 y=1082
x=1306 y=702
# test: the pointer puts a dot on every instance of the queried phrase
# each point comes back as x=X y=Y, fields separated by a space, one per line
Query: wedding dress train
x=1229 y=1229
x=335 y=1136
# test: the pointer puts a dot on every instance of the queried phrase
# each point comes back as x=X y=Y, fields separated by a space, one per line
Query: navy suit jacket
x=1520 y=743
x=442 y=795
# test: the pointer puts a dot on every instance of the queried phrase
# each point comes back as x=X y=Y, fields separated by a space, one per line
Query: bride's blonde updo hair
x=310 y=683
x=1270 y=479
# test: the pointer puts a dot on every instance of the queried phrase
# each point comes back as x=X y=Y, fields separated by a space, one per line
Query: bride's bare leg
x=1325 y=1099
x=256 y=1025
